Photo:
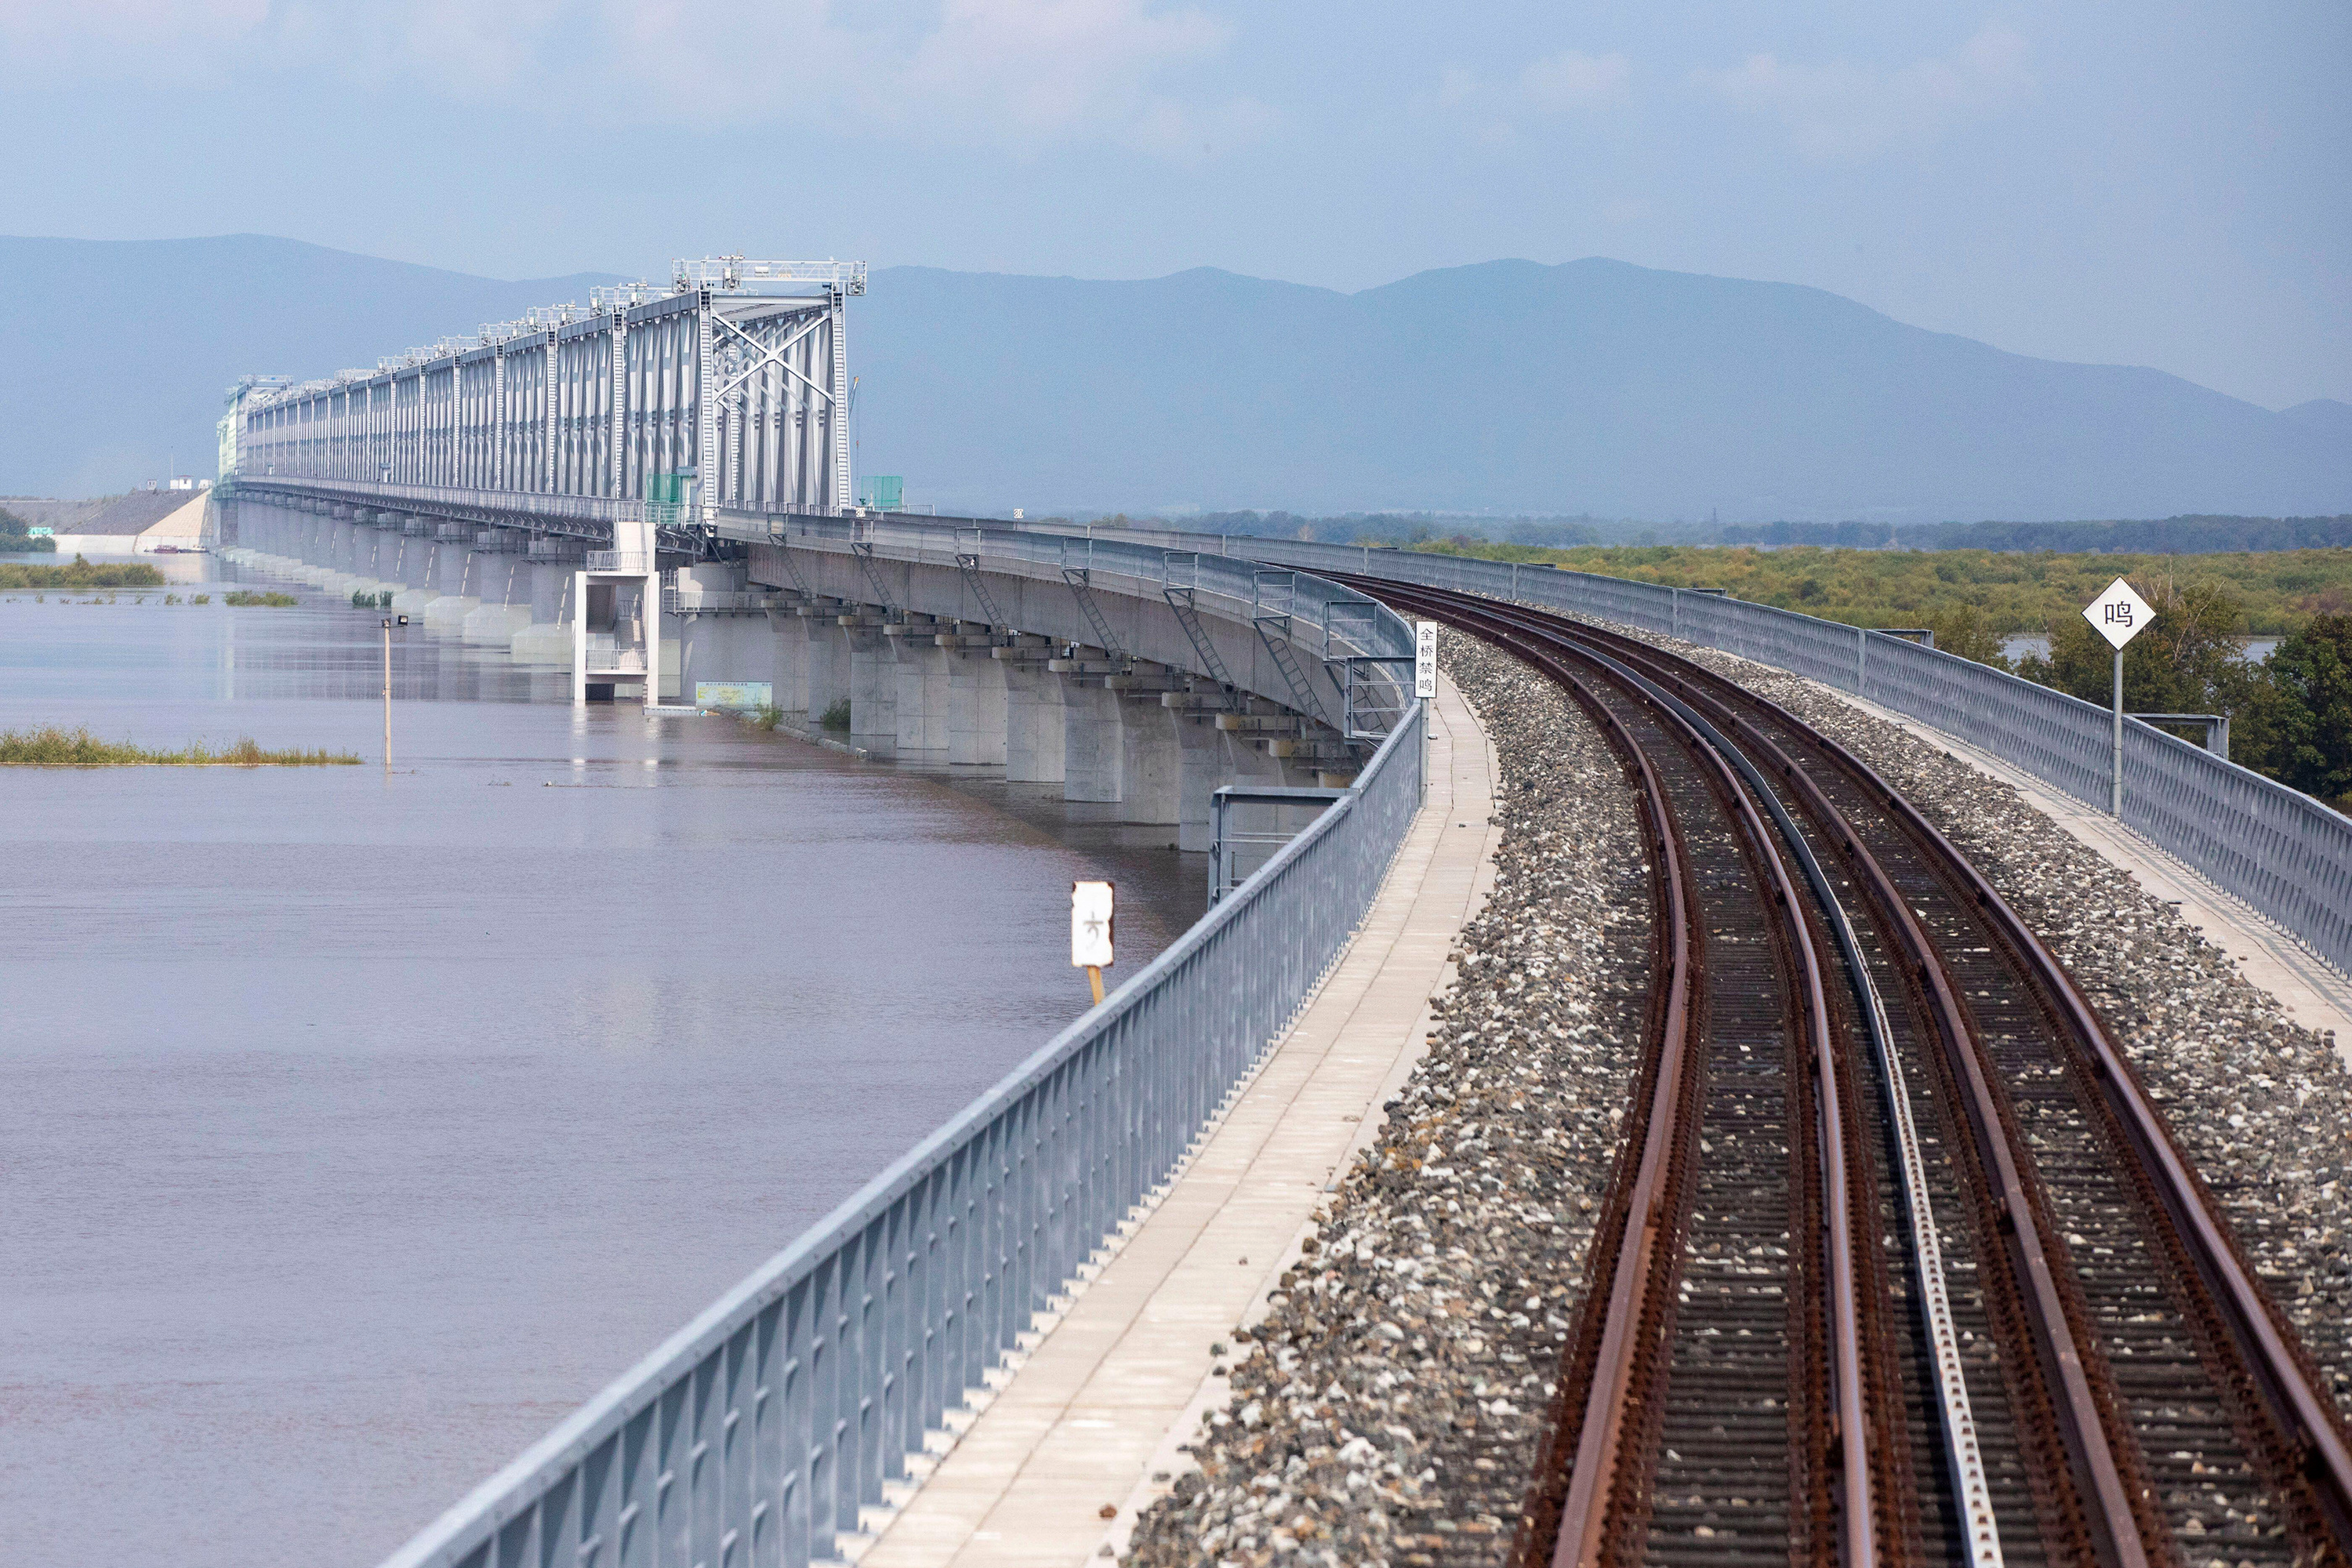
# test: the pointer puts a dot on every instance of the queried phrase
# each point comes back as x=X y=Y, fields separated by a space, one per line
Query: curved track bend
x=1901 y=1264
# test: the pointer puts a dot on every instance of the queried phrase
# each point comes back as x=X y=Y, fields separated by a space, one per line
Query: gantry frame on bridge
x=733 y=385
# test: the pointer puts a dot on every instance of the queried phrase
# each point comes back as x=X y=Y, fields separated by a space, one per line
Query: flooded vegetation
x=54 y=746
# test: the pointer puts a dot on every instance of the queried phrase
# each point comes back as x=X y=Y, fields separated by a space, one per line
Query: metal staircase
x=1081 y=582
x=1274 y=598
x=863 y=551
x=968 y=562
x=1179 y=579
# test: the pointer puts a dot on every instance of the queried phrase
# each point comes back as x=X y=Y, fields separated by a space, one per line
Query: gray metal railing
x=1133 y=562
x=2286 y=855
x=1248 y=823
x=758 y=1431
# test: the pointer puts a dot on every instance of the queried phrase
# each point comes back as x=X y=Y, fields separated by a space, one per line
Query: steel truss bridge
x=735 y=381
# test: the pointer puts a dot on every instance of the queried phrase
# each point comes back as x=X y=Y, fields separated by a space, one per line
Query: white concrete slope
x=1055 y=1466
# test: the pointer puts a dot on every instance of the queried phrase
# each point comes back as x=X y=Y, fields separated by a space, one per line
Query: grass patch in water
x=256 y=597
x=54 y=746
x=80 y=575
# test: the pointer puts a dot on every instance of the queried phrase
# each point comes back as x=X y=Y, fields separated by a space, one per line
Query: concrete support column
x=788 y=666
x=977 y=710
x=1151 y=761
x=504 y=582
x=547 y=638
x=457 y=572
x=826 y=656
x=873 y=692
x=1092 y=755
x=1204 y=765
x=923 y=681
x=415 y=570
x=1033 y=722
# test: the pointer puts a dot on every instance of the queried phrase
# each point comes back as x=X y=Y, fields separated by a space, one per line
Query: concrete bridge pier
x=416 y=570
x=453 y=573
x=1035 y=743
x=825 y=650
x=1151 y=760
x=505 y=583
x=1092 y=754
x=547 y=639
x=873 y=685
x=1204 y=761
x=923 y=693
x=788 y=664
x=730 y=649
x=979 y=714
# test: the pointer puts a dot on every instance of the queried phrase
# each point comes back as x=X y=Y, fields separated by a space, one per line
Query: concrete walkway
x=1054 y=1469
x=2313 y=994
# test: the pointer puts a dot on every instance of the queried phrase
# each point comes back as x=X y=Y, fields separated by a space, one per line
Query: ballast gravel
x=1387 y=1410
x=2261 y=1105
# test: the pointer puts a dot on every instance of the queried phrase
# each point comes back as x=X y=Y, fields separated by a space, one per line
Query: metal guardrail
x=757 y=1432
x=1146 y=565
x=1236 y=849
x=717 y=602
x=2286 y=855
x=638 y=562
x=582 y=509
x=616 y=660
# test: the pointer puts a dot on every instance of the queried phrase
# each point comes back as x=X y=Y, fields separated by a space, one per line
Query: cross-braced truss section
x=729 y=388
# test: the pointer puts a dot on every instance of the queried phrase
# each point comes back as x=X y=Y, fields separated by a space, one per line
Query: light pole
x=388 y=688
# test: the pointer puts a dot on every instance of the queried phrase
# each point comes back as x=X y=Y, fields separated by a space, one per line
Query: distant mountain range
x=1594 y=387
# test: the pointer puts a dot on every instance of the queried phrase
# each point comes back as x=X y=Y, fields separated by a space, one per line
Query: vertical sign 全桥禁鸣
x=2118 y=614
x=1091 y=930
x=1425 y=659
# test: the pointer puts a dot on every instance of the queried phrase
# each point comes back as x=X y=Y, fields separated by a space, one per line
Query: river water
x=357 y=1124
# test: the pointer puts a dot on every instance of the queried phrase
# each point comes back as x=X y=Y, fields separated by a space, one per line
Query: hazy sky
x=2153 y=184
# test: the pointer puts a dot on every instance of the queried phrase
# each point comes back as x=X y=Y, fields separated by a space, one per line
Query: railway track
x=1901 y=1265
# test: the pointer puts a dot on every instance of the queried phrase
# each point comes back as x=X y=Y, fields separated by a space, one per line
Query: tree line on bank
x=17 y=538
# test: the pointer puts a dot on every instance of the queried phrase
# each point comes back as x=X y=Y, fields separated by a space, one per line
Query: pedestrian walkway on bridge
x=1106 y=1394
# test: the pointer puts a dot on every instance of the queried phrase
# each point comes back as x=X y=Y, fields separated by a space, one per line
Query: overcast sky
x=2153 y=184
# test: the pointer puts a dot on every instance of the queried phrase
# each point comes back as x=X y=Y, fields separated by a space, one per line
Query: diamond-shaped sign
x=2118 y=614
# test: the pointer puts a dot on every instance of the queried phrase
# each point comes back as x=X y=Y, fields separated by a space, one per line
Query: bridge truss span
x=734 y=382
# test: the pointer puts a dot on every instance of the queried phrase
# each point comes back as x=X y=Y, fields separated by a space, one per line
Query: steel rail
x=1980 y=1535
x=1641 y=1271
x=2303 y=1412
x=2305 y=1423
x=2082 y=1400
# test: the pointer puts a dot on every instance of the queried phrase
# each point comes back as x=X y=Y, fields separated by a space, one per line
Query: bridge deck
x=1108 y=1394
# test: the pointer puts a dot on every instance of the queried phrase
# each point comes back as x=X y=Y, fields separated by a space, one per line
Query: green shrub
x=837 y=716
x=766 y=717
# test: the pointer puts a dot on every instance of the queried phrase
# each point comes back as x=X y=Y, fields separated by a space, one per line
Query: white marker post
x=1424 y=685
x=2118 y=614
x=1090 y=930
